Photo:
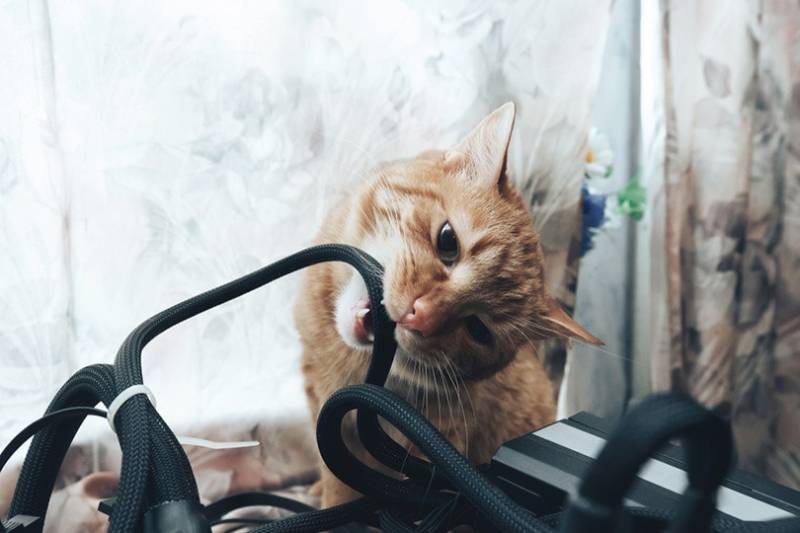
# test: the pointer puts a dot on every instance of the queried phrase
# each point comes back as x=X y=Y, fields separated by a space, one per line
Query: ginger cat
x=464 y=282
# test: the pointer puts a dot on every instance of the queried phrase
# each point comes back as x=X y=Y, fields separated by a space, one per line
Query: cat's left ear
x=565 y=326
x=484 y=151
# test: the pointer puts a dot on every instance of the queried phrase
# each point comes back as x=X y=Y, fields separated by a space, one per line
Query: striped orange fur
x=471 y=365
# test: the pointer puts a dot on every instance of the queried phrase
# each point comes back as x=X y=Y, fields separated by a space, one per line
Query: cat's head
x=464 y=272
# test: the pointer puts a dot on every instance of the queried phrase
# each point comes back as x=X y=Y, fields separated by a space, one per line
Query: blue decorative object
x=594 y=214
x=630 y=202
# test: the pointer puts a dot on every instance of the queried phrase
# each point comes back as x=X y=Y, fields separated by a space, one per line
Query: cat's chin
x=410 y=342
x=413 y=370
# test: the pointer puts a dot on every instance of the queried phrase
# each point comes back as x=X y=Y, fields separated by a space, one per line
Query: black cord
x=215 y=511
x=218 y=509
x=496 y=507
x=133 y=415
x=246 y=521
x=33 y=428
x=156 y=476
x=708 y=443
x=155 y=469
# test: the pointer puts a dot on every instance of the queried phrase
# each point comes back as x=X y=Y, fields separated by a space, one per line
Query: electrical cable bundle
x=158 y=493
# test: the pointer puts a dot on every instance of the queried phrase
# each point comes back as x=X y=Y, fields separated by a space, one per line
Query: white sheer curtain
x=152 y=150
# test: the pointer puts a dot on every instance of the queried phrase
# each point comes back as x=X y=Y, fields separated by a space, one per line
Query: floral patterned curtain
x=152 y=150
x=721 y=117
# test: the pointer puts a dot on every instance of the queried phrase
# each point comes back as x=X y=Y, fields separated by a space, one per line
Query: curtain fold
x=597 y=378
x=724 y=228
x=36 y=337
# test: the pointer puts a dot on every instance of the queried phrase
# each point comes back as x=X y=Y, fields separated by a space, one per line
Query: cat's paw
x=334 y=493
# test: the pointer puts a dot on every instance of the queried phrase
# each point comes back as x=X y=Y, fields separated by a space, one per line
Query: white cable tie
x=216 y=445
x=123 y=397
x=134 y=390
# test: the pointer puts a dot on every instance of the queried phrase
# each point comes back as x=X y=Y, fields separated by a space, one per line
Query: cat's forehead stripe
x=417 y=191
x=399 y=199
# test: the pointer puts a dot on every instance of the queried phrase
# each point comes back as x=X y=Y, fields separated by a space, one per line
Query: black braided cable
x=502 y=512
x=220 y=508
x=647 y=427
x=133 y=416
x=34 y=427
x=321 y=520
x=86 y=388
x=436 y=495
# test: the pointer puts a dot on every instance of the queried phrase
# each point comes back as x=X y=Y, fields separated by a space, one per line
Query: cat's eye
x=478 y=330
x=447 y=244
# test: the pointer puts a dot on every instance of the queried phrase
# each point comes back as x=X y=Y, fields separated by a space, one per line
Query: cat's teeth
x=361 y=313
x=383 y=302
x=370 y=337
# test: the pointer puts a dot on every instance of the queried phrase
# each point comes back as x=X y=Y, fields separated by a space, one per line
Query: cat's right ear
x=563 y=325
x=484 y=151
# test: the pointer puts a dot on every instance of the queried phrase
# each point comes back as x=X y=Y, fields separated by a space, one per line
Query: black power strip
x=541 y=469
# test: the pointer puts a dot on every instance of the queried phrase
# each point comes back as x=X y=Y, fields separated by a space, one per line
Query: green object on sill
x=631 y=200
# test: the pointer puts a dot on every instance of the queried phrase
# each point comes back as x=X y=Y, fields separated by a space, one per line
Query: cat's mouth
x=362 y=325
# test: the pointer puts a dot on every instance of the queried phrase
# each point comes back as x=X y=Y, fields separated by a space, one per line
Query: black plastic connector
x=180 y=516
x=19 y=523
x=176 y=517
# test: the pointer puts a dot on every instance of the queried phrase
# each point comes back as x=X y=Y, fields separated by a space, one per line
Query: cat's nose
x=422 y=318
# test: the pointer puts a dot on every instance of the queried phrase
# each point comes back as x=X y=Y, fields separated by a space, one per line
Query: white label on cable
x=216 y=445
